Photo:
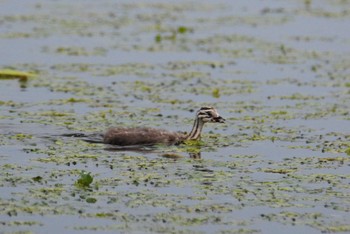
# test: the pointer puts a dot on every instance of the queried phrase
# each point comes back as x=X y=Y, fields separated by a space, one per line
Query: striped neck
x=196 y=130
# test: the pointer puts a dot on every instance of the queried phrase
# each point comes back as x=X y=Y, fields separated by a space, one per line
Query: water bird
x=151 y=136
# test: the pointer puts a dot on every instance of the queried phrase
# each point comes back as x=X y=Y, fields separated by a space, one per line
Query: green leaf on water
x=182 y=29
x=194 y=143
x=347 y=151
x=37 y=178
x=279 y=112
x=158 y=38
x=85 y=179
x=216 y=93
x=14 y=74
x=91 y=200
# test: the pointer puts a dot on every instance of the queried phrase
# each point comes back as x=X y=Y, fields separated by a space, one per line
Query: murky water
x=278 y=71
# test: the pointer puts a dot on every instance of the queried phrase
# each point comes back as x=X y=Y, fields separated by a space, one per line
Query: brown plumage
x=151 y=136
x=141 y=136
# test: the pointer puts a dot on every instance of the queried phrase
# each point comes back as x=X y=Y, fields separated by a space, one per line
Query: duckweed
x=282 y=156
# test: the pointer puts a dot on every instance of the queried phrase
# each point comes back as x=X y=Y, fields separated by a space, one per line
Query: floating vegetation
x=282 y=158
x=14 y=74
x=80 y=51
x=216 y=93
x=173 y=34
x=85 y=179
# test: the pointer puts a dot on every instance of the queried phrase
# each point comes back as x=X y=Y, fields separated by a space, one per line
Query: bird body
x=151 y=136
x=141 y=136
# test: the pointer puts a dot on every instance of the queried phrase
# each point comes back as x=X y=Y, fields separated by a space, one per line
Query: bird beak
x=219 y=119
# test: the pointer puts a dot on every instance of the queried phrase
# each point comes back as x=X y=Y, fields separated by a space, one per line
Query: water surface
x=278 y=71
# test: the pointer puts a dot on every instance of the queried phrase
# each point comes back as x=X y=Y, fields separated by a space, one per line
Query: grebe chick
x=151 y=136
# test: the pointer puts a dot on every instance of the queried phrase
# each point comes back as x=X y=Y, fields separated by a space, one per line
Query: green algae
x=347 y=151
x=80 y=51
x=279 y=171
x=21 y=136
x=171 y=34
x=315 y=220
x=14 y=74
x=271 y=154
x=85 y=179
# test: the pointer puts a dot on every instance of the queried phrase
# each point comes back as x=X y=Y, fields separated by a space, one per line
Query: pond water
x=278 y=71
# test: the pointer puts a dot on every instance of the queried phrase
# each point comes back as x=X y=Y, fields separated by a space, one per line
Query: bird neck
x=196 y=130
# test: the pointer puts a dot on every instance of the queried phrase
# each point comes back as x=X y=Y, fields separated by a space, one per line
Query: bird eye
x=209 y=114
